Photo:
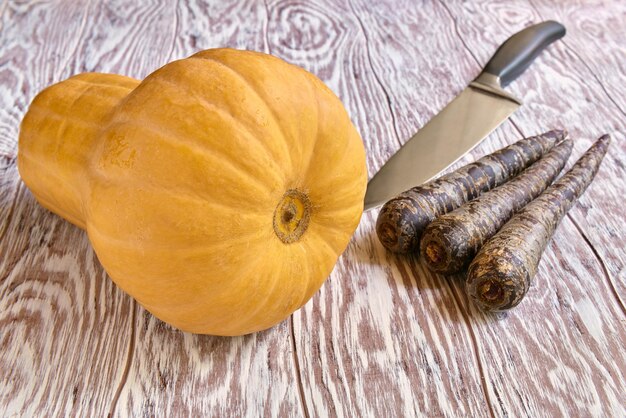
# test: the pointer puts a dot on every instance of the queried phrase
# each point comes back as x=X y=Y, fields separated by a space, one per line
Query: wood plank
x=570 y=343
x=596 y=42
x=596 y=36
x=64 y=326
x=180 y=374
x=129 y=38
x=381 y=337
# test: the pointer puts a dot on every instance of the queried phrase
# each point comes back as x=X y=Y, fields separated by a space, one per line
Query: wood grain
x=57 y=306
x=383 y=337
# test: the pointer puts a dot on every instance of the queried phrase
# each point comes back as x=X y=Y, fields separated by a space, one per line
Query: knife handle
x=521 y=49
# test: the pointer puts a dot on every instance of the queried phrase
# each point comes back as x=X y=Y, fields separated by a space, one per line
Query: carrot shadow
x=411 y=273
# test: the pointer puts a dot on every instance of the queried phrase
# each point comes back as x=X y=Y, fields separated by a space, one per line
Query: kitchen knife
x=465 y=121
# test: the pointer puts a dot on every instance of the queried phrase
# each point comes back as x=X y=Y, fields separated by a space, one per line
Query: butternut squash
x=219 y=191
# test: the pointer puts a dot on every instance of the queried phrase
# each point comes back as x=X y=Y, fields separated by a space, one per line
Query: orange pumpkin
x=218 y=192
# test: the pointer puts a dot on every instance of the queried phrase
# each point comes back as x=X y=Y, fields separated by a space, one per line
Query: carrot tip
x=435 y=253
x=491 y=292
x=388 y=235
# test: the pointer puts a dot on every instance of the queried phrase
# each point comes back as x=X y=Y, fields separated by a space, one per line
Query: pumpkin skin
x=218 y=192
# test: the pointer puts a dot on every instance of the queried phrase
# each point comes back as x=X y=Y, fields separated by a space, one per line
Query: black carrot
x=502 y=271
x=402 y=219
x=451 y=241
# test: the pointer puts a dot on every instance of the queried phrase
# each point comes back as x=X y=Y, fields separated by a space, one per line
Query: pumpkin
x=219 y=191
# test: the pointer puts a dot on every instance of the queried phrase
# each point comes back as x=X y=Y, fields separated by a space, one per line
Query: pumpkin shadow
x=201 y=348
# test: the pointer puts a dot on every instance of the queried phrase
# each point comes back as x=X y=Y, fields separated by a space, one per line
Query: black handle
x=521 y=49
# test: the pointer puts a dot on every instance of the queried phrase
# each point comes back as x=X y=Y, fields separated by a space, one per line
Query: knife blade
x=464 y=122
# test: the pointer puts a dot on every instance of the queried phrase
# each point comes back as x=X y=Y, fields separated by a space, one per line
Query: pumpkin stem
x=292 y=215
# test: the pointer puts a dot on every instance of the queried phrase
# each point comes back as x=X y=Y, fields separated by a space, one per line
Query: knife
x=465 y=121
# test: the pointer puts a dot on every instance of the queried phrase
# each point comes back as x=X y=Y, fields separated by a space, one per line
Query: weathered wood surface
x=383 y=336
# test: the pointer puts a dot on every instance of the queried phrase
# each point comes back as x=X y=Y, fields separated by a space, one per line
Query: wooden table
x=383 y=337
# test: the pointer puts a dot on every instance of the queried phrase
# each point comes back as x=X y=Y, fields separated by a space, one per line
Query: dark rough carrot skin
x=402 y=220
x=502 y=271
x=450 y=242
